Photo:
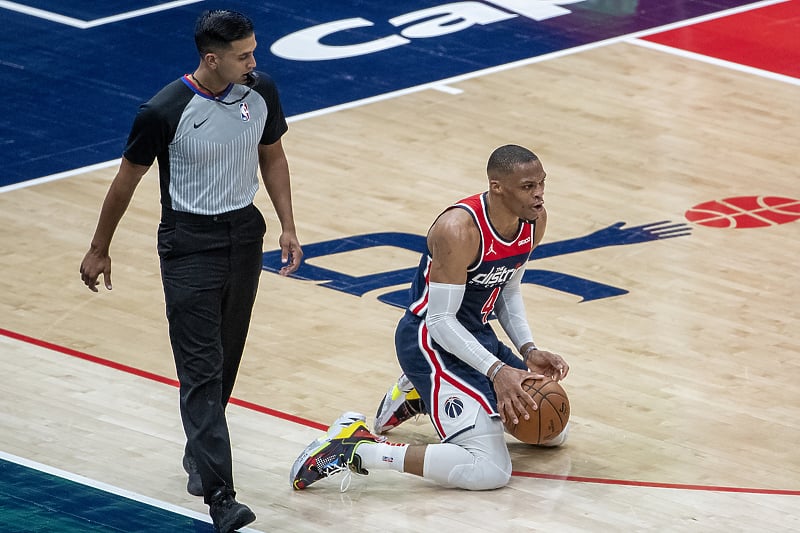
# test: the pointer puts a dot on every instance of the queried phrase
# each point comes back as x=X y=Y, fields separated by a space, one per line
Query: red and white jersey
x=499 y=259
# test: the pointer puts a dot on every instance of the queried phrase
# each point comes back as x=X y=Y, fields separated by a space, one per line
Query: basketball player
x=455 y=367
x=211 y=131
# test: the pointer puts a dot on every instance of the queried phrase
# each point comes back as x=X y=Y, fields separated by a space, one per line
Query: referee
x=210 y=131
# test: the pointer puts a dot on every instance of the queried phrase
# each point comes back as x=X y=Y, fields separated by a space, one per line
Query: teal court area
x=36 y=501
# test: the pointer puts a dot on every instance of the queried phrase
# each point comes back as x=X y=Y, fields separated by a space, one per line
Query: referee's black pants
x=210 y=266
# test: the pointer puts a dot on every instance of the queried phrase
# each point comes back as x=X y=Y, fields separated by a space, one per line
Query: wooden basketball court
x=684 y=395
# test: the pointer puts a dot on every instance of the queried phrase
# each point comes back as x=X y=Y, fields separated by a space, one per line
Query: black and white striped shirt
x=207 y=151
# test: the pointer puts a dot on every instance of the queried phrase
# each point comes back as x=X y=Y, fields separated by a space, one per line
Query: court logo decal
x=307 y=44
x=745 y=212
x=395 y=283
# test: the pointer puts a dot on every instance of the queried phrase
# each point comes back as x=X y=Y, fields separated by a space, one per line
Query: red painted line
x=278 y=414
x=653 y=484
x=87 y=357
x=317 y=425
x=153 y=377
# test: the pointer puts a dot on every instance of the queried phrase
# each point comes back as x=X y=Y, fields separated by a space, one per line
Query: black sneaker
x=195 y=485
x=227 y=514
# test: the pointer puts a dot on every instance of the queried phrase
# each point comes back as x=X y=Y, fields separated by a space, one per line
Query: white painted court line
x=109 y=488
x=715 y=61
x=437 y=85
x=631 y=38
x=60 y=175
x=447 y=89
x=85 y=24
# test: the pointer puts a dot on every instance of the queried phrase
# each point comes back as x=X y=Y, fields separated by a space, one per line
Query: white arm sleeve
x=510 y=311
x=444 y=300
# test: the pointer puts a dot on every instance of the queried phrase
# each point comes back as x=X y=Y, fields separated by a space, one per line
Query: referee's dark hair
x=216 y=29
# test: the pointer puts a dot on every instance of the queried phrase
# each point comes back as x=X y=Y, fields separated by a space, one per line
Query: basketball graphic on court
x=745 y=212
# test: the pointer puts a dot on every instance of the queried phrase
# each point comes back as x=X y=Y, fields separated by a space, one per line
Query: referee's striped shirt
x=207 y=151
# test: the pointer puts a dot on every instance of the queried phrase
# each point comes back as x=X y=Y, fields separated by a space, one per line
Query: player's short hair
x=216 y=29
x=504 y=159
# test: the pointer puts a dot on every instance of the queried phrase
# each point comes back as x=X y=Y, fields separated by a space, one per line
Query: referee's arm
x=275 y=173
x=97 y=261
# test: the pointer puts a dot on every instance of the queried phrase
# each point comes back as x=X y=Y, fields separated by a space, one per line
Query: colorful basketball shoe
x=400 y=403
x=334 y=452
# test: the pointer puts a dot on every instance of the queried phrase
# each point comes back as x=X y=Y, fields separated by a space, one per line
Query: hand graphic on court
x=615 y=234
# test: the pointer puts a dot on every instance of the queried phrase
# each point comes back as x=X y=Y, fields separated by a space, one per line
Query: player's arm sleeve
x=444 y=300
x=510 y=311
x=276 y=124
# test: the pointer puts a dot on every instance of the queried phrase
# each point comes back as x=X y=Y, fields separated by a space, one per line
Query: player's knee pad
x=482 y=474
x=491 y=463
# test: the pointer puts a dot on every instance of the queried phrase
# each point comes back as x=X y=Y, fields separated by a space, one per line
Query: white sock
x=382 y=455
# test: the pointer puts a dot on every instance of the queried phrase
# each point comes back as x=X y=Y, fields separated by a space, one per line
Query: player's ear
x=495 y=185
x=210 y=59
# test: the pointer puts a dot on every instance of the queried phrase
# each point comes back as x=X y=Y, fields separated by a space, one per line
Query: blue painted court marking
x=613 y=235
x=76 y=91
x=36 y=497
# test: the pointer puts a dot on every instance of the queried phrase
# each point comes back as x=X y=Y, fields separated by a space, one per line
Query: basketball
x=547 y=421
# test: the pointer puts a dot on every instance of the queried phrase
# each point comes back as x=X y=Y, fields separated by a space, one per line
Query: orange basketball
x=551 y=417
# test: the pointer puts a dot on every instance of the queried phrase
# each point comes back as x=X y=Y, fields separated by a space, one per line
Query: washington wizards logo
x=453 y=407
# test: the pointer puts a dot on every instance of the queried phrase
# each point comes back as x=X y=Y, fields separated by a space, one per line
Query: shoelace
x=333 y=468
x=346 y=479
x=348 y=476
x=412 y=411
x=340 y=465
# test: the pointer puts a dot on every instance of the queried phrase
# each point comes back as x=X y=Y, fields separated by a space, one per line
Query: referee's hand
x=92 y=266
x=291 y=253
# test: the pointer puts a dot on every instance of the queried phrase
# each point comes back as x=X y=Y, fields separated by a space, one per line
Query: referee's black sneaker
x=227 y=514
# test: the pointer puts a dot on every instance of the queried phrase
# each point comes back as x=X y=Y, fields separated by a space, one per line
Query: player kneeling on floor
x=454 y=366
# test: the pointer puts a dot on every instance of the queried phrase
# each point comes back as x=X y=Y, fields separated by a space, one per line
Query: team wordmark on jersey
x=496 y=276
x=358 y=285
